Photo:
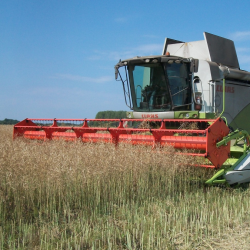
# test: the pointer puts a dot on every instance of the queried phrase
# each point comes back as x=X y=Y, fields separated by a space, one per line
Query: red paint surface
x=202 y=140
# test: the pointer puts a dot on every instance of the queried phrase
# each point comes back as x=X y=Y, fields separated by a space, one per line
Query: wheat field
x=61 y=195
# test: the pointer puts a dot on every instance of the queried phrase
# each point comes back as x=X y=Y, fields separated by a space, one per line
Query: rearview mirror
x=194 y=65
x=116 y=72
x=117 y=66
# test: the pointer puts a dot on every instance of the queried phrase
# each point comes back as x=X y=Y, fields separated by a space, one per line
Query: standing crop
x=61 y=195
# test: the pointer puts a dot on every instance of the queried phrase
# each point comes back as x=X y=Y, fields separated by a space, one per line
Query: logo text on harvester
x=228 y=89
x=150 y=116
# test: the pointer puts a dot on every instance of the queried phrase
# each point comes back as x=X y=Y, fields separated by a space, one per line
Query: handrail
x=223 y=108
x=202 y=92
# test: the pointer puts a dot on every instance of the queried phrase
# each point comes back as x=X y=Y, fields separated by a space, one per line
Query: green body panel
x=207 y=115
x=242 y=120
x=184 y=115
x=193 y=115
x=238 y=150
x=130 y=114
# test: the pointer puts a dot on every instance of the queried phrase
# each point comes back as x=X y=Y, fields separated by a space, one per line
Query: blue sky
x=57 y=57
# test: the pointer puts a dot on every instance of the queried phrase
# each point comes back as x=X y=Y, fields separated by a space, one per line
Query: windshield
x=159 y=87
x=149 y=90
x=179 y=83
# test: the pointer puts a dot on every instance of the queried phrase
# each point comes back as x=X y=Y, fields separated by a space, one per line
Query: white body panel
x=197 y=49
x=241 y=173
x=153 y=115
x=203 y=86
x=233 y=177
x=213 y=48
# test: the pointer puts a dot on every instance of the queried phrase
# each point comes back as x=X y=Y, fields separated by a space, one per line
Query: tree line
x=109 y=114
x=8 y=121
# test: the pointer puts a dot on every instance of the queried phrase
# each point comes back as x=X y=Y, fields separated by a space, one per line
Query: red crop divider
x=116 y=132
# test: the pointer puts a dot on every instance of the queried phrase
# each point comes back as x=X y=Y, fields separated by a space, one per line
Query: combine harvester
x=195 y=83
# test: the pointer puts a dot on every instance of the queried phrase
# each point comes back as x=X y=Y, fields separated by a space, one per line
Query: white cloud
x=149 y=49
x=240 y=35
x=242 y=50
x=151 y=36
x=61 y=102
x=121 y=20
x=62 y=92
x=143 y=50
x=77 y=78
x=244 y=59
x=94 y=57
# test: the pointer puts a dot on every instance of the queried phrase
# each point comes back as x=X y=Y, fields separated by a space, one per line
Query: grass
x=58 y=195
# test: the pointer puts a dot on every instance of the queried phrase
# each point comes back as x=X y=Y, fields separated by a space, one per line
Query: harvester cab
x=194 y=97
x=186 y=81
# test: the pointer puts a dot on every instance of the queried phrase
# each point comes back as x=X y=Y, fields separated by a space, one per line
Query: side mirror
x=116 y=73
x=194 y=65
x=117 y=66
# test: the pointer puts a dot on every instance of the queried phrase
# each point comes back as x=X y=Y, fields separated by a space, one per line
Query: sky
x=57 y=57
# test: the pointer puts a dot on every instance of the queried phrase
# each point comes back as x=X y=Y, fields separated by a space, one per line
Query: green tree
x=9 y=121
x=109 y=114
